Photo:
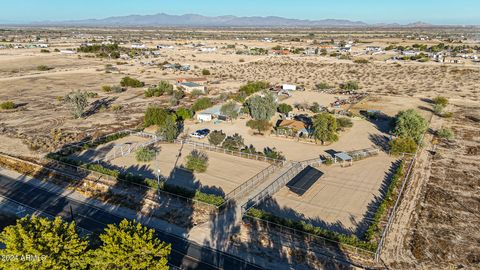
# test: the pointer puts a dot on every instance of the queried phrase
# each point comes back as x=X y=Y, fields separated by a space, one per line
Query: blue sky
x=370 y=11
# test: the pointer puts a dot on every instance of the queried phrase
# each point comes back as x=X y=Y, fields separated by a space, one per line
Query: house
x=208 y=49
x=345 y=49
x=292 y=128
x=68 y=52
x=164 y=46
x=138 y=46
x=289 y=87
x=214 y=112
x=410 y=53
x=201 y=81
x=373 y=49
x=189 y=87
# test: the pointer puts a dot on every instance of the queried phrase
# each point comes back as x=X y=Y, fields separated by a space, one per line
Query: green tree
x=260 y=125
x=129 y=245
x=410 y=124
x=253 y=87
x=131 y=82
x=202 y=104
x=284 y=108
x=184 y=114
x=343 y=122
x=155 y=115
x=350 y=85
x=402 y=145
x=77 y=101
x=55 y=242
x=234 y=143
x=230 y=109
x=169 y=129
x=216 y=137
x=262 y=107
x=325 y=128
x=144 y=154
x=197 y=161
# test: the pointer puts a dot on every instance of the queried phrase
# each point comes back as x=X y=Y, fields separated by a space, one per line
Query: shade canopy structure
x=344 y=157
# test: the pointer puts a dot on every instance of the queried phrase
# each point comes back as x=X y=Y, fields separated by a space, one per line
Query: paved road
x=185 y=254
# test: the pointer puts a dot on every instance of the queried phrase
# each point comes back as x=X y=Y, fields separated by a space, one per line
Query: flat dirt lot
x=342 y=198
x=224 y=172
x=362 y=135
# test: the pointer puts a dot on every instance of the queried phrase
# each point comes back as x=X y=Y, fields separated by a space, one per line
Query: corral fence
x=393 y=213
x=280 y=182
x=125 y=149
x=217 y=149
x=363 y=153
x=252 y=182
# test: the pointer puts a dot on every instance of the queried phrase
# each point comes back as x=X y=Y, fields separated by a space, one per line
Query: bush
x=197 y=161
x=361 y=61
x=184 y=114
x=160 y=89
x=205 y=72
x=44 y=68
x=343 y=122
x=77 y=101
x=315 y=108
x=202 y=104
x=155 y=115
x=410 y=124
x=253 y=87
x=284 y=108
x=403 y=145
x=7 y=105
x=438 y=109
x=234 y=143
x=273 y=153
x=439 y=100
x=144 y=154
x=445 y=133
x=216 y=137
x=44 y=51
x=107 y=88
x=131 y=82
x=259 y=125
x=350 y=85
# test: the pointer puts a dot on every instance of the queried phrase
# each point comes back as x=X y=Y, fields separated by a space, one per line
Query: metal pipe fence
x=217 y=149
x=253 y=181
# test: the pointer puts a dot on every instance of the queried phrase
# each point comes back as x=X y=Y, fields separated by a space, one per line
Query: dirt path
x=395 y=253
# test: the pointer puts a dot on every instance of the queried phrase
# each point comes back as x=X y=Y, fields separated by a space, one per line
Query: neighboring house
x=165 y=47
x=292 y=128
x=289 y=87
x=201 y=81
x=208 y=49
x=68 y=52
x=373 y=49
x=191 y=86
x=138 y=46
x=410 y=53
x=345 y=49
x=214 y=113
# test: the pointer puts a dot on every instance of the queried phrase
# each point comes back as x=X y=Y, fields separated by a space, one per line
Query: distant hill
x=195 y=20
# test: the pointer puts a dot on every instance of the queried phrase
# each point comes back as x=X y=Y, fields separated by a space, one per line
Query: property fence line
x=363 y=153
x=392 y=215
x=80 y=144
x=312 y=237
x=76 y=172
x=253 y=181
x=217 y=149
x=126 y=149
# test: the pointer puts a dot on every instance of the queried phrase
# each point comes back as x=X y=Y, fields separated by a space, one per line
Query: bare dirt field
x=224 y=172
x=342 y=199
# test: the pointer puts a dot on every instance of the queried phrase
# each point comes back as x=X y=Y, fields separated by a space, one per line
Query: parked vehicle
x=200 y=134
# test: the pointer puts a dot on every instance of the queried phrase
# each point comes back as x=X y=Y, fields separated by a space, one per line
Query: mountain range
x=195 y=20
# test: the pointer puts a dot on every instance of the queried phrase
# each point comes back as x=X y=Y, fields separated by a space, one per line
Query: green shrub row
x=315 y=230
x=386 y=203
x=138 y=179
